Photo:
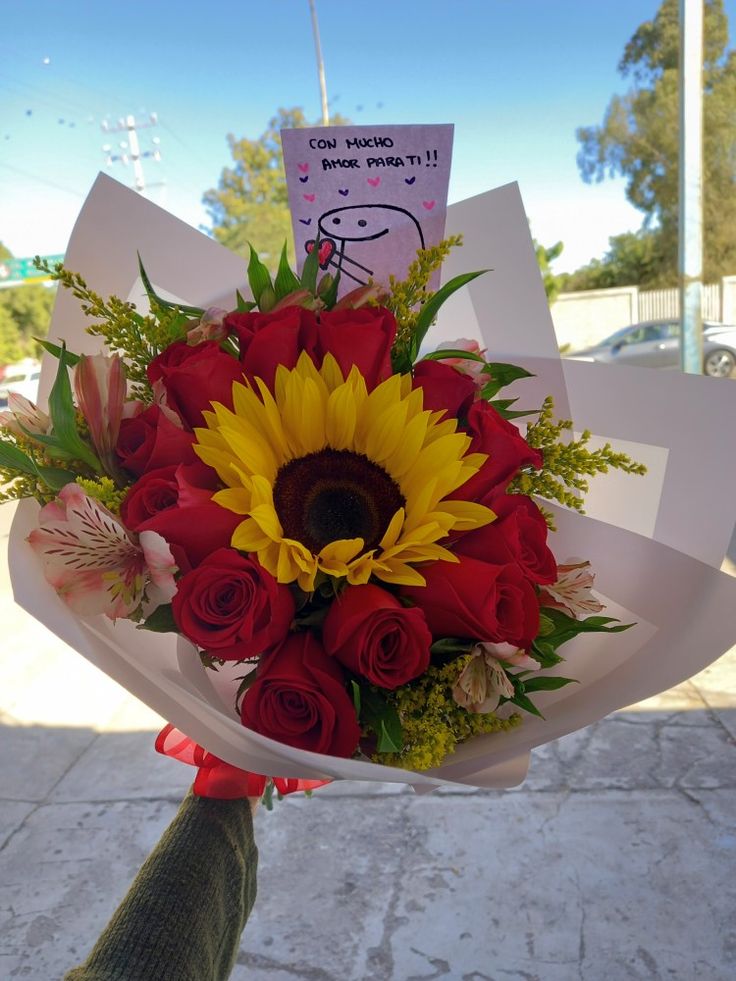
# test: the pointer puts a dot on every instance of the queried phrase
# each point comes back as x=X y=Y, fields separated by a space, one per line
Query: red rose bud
x=478 y=601
x=267 y=340
x=150 y=440
x=519 y=534
x=374 y=636
x=192 y=378
x=299 y=698
x=232 y=607
x=176 y=502
x=444 y=387
x=359 y=337
x=361 y=296
x=506 y=448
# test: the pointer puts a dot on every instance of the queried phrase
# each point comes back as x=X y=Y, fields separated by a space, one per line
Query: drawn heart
x=304 y=179
x=409 y=180
x=303 y=167
x=429 y=204
x=374 y=181
x=343 y=192
x=310 y=198
x=306 y=221
x=326 y=250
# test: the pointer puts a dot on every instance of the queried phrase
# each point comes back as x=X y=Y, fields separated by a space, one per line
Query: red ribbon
x=221 y=780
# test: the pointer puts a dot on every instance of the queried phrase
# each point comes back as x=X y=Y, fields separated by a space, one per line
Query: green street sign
x=14 y=272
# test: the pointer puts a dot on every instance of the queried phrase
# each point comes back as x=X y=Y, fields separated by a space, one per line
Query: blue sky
x=515 y=76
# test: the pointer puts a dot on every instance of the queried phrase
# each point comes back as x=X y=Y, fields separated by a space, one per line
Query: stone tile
x=61 y=877
x=34 y=758
x=12 y=815
x=123 y=766
x=717 y=686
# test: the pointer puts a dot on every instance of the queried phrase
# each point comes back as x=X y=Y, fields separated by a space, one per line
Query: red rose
x=269 y=339
x=150 y=440
x=177 y=503
x=232 y=607
x=375 y=637
x=478 y=601
x=299 y=698
x=444 y=387
x=506 y=448
x=519 y=534
x=193 y=377
x=359 y=337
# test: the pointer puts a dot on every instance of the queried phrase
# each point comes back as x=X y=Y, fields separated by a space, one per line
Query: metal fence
x=665 y=304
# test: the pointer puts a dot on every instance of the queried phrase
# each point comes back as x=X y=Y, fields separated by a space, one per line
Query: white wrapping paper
x=655 y=545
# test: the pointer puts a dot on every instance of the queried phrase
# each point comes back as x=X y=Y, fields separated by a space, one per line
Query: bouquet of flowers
x=321 y=549
x=295 y=489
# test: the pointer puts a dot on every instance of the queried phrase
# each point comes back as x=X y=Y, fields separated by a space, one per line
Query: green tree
x=633 y=258
x=546 y=256
x=11 y=347
x=28 y=310
x=250 y=202
x=639 y=141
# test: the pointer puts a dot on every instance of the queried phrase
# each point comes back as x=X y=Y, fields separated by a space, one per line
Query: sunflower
x=333 y=479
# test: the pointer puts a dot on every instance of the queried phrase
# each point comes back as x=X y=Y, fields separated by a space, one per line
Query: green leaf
x=71 y=359
x=62 y=412
x=11 y=458
x=329 y=297
x=566 y=627
x=155 y=300
x=546 y=626
x=267 y=299
x=386 y=741
x=545 y=653
x=452 y=645
x=452 y=353
x=310 y=269
x=243 y=305
x=259 y=277
x=503 y=374
x=546 y=683
x=161 y=621
x=502 y=408
x=525 y=703
x=431 y=308
x=54 y=477
x=381 y=716
x=355 y=687
x=286 y=281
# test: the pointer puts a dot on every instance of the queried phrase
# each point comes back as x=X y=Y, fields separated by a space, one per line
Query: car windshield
x=618 y=336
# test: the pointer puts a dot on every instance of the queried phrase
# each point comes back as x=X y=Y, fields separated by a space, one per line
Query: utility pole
x=691 y=186
x=320 y=65
x=131 y=148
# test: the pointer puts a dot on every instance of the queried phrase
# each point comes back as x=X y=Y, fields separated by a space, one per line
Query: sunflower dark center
x=334 y=494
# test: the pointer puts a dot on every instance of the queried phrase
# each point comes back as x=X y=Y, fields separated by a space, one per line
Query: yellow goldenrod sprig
x=407 y=296
x=432 y=721
x=567 y=462
x=136 y=337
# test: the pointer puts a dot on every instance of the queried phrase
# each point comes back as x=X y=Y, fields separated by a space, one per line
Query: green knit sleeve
x=186 y=909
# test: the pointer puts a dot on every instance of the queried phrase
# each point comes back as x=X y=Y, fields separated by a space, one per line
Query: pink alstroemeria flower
x=94 y=563
x=209 y=327
x=515 y=657
x=482 y=683
x=99 y=384
x=21 y=414
x=572 y=591
x=468 y=366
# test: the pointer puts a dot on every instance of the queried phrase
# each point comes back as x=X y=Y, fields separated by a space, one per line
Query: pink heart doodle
x=326 y=250
x=374 y=181
x=427 y=204
x=311 y=197
x=303 y=167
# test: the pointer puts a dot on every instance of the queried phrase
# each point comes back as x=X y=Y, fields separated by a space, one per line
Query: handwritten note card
x=371 y=195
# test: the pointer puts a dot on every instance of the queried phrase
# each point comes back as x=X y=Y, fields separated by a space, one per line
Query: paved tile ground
x=615 y=860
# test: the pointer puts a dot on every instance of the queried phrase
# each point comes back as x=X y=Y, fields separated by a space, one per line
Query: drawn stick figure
x=357 y=223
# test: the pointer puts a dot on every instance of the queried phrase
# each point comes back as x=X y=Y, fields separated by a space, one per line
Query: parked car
x=21 y=378
x=656 y=344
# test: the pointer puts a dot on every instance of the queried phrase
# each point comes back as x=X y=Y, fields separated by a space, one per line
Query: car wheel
x=719 y=364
